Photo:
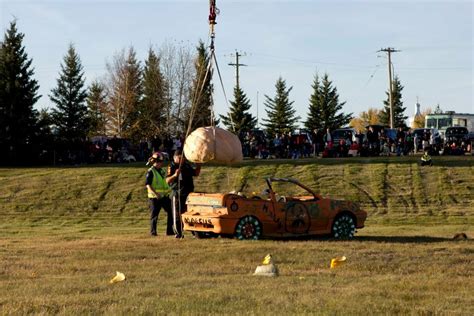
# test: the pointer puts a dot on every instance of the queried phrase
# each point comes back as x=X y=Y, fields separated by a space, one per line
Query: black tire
x=343 y=227
x=248 y=228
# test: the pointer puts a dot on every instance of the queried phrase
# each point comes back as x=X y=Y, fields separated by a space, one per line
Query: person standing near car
x=158 y=193
x=180 y=179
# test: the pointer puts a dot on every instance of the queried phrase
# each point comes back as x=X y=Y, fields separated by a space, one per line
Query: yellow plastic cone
x=268 y=259
x=268 y=268
x=335 y=262
x=119 y=277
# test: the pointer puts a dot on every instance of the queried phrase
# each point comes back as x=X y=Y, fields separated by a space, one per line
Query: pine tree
x=97 y=109
x=201 y=91
x=153 y=109
x=238 y=120
x=315 y=111
x=398 y=110
x=325 y=107
x=18 y=94
x=69 y=96
x=280 y=112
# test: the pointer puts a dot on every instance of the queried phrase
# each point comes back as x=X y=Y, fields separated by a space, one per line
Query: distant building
x=449 y=118
x=411 y=120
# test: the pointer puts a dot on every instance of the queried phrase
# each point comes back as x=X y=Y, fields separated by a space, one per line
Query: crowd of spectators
x=102 y=149
x=347 y=142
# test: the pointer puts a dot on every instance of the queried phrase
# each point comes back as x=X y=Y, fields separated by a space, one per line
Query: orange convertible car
x=271 y=215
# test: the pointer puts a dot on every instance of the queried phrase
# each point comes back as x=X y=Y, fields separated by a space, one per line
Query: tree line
x=140 y=101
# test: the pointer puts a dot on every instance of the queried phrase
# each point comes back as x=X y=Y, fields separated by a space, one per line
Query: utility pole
x=257 y=109
x=237 y=65
x=389 y=51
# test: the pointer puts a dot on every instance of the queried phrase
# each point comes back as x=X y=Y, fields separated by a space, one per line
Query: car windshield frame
x=292 y=181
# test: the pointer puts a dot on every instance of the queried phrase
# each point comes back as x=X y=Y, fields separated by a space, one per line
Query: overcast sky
x=291 y=39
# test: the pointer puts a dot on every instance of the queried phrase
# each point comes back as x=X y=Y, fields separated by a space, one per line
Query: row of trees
x=156 y=99
x=324 y=109
x=132 y=101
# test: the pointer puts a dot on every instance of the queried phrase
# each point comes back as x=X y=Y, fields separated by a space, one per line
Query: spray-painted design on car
x=231 y=214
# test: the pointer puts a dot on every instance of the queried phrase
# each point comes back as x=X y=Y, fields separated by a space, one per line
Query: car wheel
x=343 y=227
x=248 y=228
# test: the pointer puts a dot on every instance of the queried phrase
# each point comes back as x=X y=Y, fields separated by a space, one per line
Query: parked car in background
x=342 y=139
x=425 y=134
x=391 y=133
x=301 y=143
x=346 y=133
x=457 y=135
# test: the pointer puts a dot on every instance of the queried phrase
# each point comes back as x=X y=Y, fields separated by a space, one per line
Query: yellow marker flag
x=119 y=277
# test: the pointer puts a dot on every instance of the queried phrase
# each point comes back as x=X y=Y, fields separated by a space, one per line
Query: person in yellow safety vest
x=158 y=193
x=426 y=159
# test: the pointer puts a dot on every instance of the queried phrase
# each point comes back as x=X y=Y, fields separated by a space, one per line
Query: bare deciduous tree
x=178 y=71
x=124 y=88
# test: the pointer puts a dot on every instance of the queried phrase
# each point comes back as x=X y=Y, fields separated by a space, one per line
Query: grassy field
x=65 y=231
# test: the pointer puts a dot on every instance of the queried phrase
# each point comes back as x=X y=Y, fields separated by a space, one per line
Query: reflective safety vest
x=425 y=157
x=158 y=184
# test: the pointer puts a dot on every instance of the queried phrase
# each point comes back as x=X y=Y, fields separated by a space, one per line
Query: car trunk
x=208 y=204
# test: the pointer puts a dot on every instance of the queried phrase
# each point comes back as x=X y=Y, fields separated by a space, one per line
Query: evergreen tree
x=44 y=141
x=238 y=120
x=18 y=94
x=97 y=109
x=280 y=112
x=69 y=96
x=324 y=106
x=201 y=91
x=398 y=110
x=315 y=111
x=153 y=109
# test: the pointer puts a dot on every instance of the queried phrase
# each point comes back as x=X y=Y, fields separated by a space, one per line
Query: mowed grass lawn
x=65 y=231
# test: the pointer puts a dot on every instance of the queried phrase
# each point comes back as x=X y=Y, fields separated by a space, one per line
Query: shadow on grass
x=403 y=239
x=378 y=239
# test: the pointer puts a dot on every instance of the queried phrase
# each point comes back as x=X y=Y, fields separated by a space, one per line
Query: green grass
x=390 y=189
x=65 y=231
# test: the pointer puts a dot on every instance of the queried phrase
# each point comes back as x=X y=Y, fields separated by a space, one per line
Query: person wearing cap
x=158 y=193
x=180 y=179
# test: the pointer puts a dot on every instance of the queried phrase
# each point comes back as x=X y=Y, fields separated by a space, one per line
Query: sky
x=294 y=40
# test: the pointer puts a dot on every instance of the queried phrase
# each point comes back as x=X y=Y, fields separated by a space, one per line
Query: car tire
x=248 y=228
x=343 y=227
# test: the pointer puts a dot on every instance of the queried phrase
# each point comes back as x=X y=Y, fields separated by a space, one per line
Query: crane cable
x=213 y=11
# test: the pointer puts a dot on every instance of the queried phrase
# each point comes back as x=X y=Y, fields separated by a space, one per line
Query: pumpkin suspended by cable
x=214 y=144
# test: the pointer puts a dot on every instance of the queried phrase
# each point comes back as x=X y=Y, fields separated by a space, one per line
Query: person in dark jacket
x=180 y=179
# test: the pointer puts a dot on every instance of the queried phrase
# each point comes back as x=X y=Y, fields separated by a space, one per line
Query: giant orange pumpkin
x=214 y=144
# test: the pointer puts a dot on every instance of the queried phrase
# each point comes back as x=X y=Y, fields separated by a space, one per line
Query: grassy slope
x=65 y=231
x=391 y=189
